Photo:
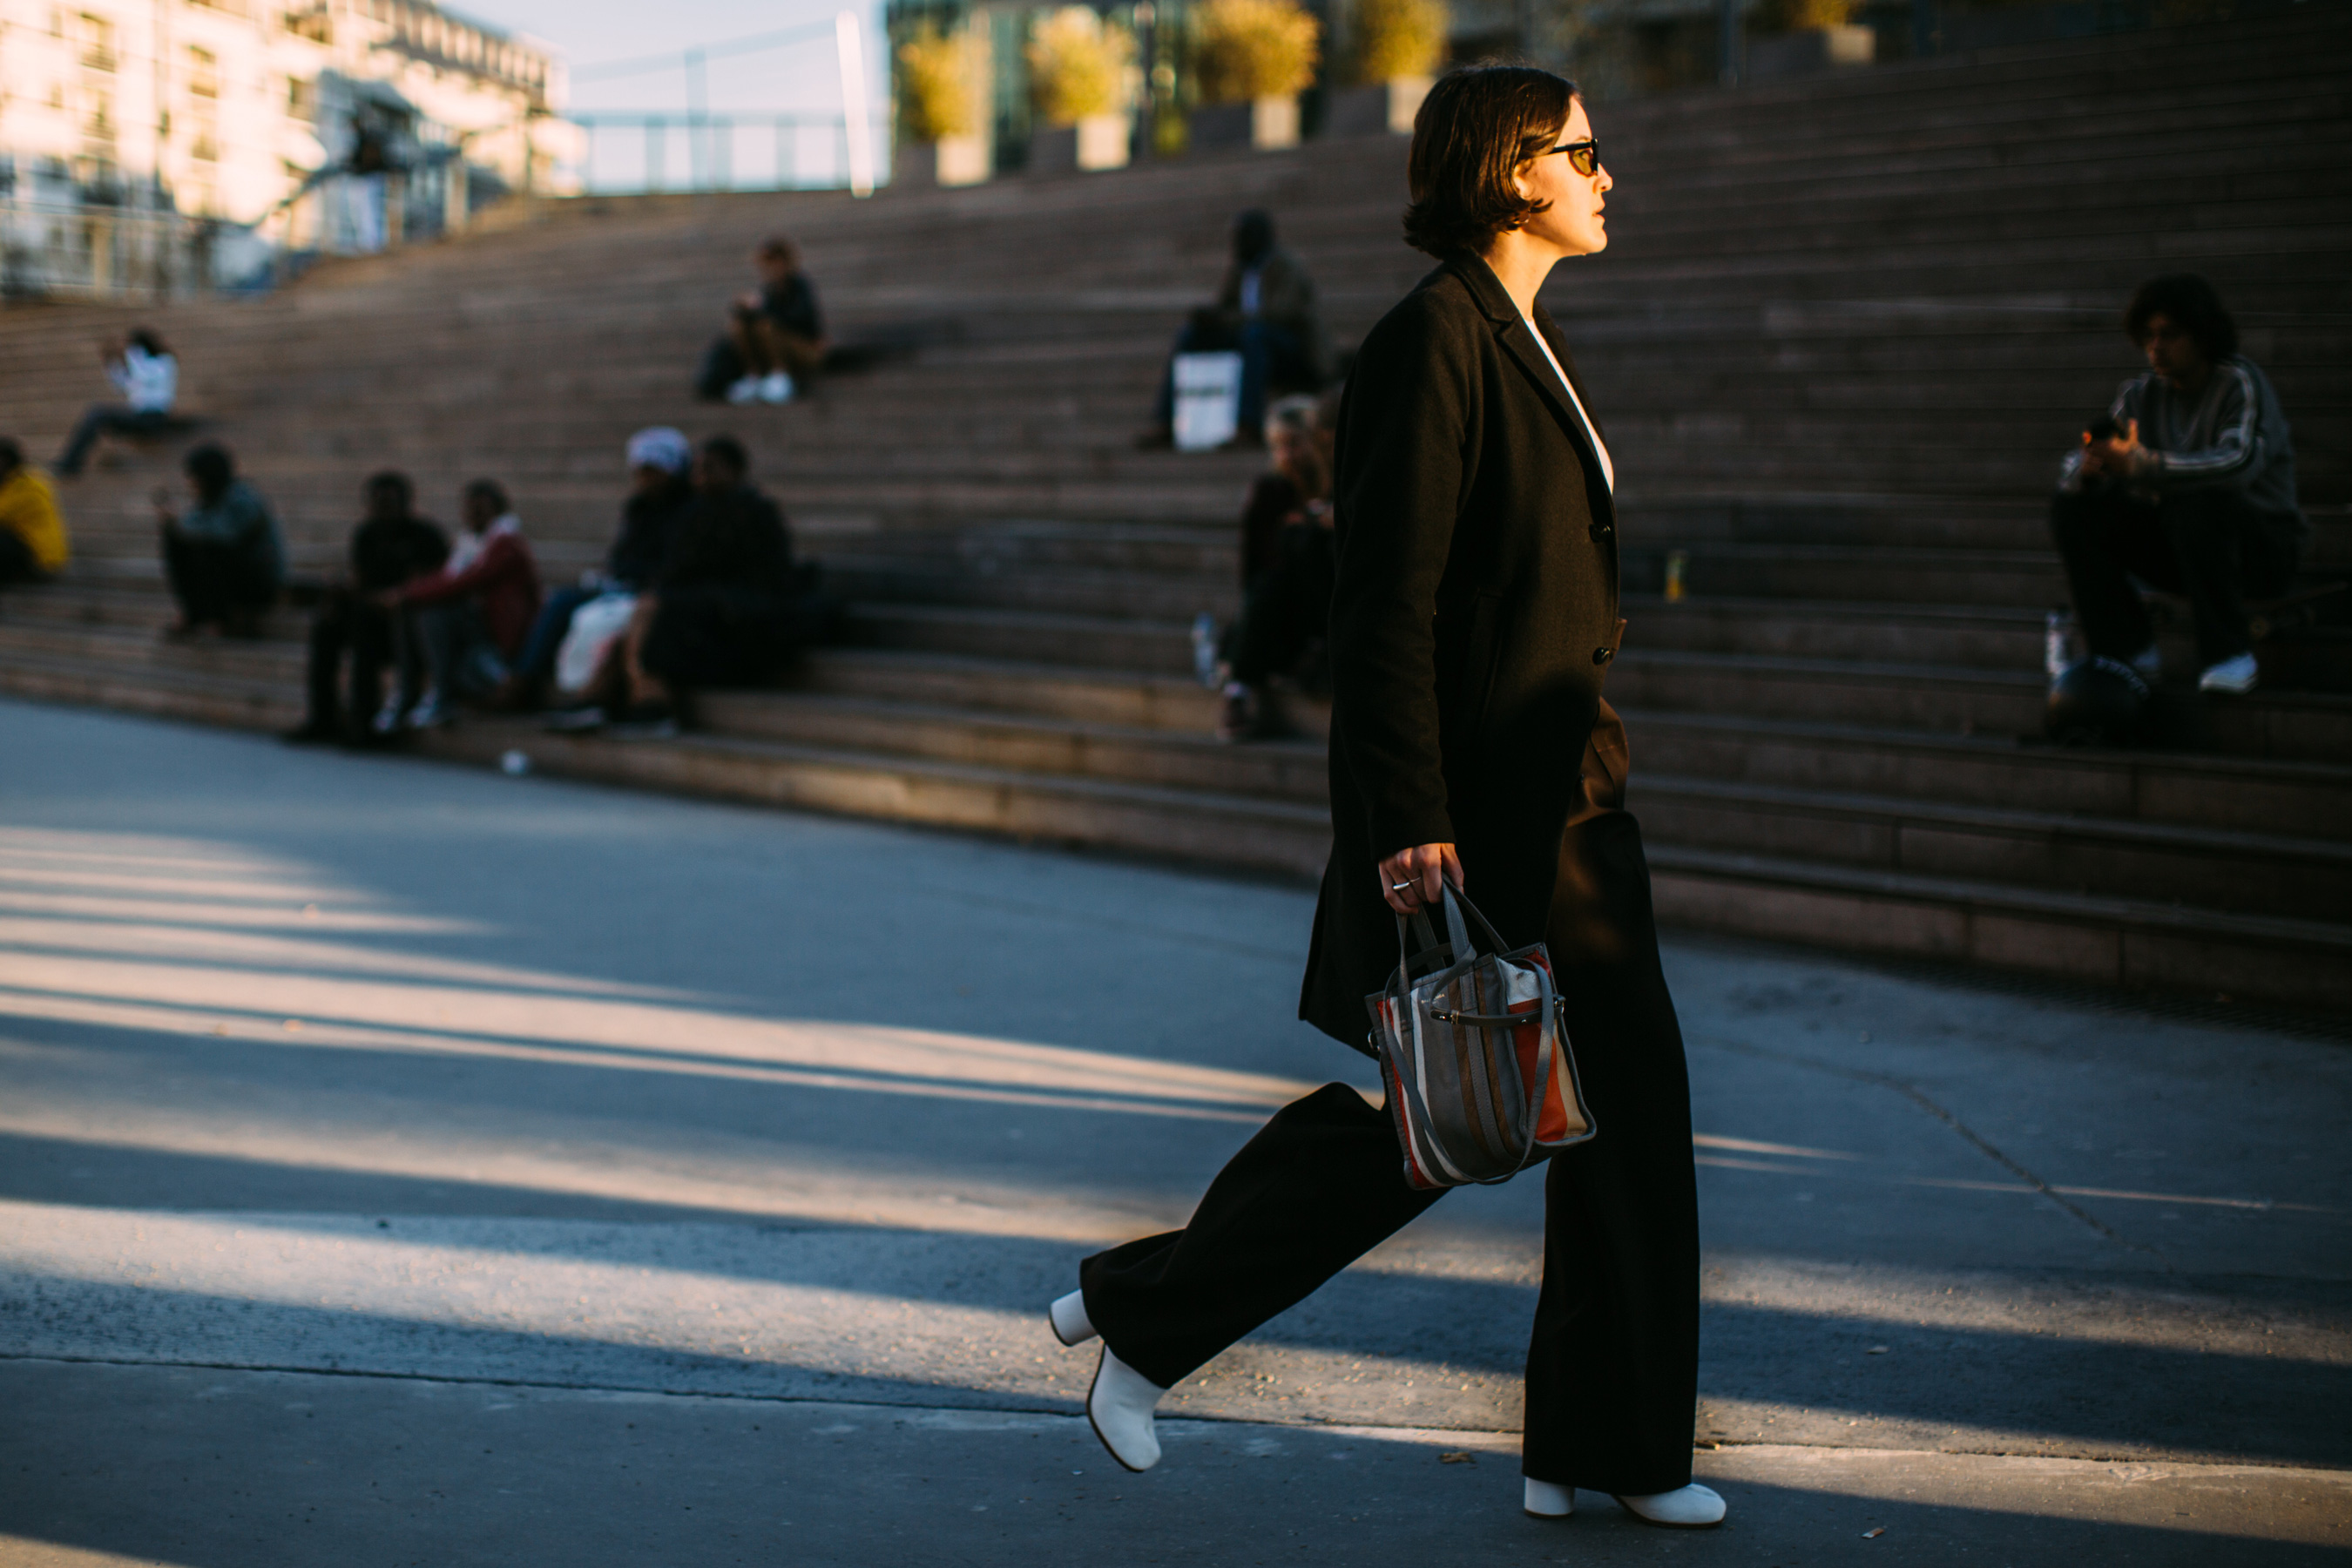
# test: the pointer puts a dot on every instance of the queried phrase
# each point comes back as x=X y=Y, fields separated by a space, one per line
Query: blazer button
x=1603 y=655
x=1601 y=530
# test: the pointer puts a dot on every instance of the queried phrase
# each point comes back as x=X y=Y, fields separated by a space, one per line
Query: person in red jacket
x=474 y=614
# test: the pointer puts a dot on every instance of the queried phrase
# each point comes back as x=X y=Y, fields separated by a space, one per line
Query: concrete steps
x=2134 y=944
x=1844 y=329
x=1242 y=831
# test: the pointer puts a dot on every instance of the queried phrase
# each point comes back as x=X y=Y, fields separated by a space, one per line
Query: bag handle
x=1457 y=946
x=1454 y=920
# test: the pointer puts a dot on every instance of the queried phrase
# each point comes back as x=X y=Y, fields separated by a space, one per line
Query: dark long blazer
x=1474 y=618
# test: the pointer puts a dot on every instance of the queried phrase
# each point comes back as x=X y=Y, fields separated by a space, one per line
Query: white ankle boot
x=1692 y=1507
x=1119 y=1406
x=1549 y=1499
x=1068 y=1316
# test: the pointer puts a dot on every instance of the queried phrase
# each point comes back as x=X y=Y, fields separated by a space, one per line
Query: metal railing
x=631 y=154
x=62 y=249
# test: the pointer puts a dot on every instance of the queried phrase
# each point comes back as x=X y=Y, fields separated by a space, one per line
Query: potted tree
x=943 y=80
x=1394 y=46
x=1798 y=37
x=1081 y=80
x=1251 y=59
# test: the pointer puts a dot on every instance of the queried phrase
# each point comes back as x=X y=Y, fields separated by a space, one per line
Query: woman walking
x=1475 y=617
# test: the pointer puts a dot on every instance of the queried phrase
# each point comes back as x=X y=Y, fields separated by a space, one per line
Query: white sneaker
x=744 y=390
x=1119 y=1406
x=1204 y=650
x=387 y=718
x=1692 y=1507
x=1068 y=1316
x=1549 y=1499
x=2150 y=663
x=776 y=387
x=430 y=714
x=2235 y=674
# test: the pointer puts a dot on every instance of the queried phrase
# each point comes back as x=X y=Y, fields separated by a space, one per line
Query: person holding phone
x=1473 y=620
x=2186 y=483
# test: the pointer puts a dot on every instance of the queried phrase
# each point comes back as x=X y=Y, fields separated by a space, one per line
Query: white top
x=470 y=545
x=147 y=381
x=1608 y=469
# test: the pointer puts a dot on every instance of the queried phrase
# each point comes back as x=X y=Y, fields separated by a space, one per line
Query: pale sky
x=796 y=79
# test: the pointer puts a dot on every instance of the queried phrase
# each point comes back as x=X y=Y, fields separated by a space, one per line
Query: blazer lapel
x=1512 y=332
x=1604 y=496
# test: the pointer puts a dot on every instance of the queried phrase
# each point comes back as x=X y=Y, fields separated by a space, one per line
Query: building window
x=301 y=98
x=204 y=73
x=96 y=36
x=314 y=24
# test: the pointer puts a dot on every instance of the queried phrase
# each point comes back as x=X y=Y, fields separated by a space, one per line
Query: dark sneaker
x=1238 y=720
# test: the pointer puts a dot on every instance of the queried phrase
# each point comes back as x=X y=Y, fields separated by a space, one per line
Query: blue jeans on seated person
x=536 y=664
x=101 y=418
x=465 y=662
x=1267 y=352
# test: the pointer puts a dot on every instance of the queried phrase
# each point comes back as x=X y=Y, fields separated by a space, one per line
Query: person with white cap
x=660 y=461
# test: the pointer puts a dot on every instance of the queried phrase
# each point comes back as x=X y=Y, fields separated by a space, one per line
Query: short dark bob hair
x=1477 y=125
x=2194 y=308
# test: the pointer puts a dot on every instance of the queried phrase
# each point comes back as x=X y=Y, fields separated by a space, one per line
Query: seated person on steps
x=776 y=338
x=391 y=545
x=1264 y=311
x=223 y=557
x=1288 y=566
x=727 y=609
x=2188 y=485
x=148 y=376
x=661 y=464
x=32 y=531
x=474 y=611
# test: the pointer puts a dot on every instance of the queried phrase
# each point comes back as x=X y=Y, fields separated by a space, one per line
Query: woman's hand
x=1409 y=879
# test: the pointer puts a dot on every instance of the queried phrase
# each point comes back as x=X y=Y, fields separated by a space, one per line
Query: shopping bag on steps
x=594 y=625
x=1475 y=1054
x=1207 y=413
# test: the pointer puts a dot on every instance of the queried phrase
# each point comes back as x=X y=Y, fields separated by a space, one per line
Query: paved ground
x=401 y=1165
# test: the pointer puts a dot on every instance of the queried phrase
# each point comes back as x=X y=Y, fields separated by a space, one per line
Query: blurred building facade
x=153 y=144
x=1614 y=48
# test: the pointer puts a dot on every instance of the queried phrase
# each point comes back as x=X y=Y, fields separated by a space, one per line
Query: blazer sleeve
x=1405 y=438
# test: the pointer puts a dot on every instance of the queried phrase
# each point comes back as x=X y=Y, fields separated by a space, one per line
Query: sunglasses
x=1584 y=157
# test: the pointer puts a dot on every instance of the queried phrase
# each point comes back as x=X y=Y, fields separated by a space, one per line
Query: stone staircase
x=1842 y=330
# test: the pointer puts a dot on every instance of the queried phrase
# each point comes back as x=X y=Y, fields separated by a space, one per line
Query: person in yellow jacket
x=32 y=533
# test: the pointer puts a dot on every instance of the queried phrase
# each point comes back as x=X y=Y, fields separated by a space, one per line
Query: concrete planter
x=1811 y=52
x=1380 y=109
x=950 y=160
x=1263 y=124
x=1098 y=142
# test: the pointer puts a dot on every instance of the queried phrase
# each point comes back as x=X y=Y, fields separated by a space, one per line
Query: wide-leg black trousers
x=1613 y=1363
